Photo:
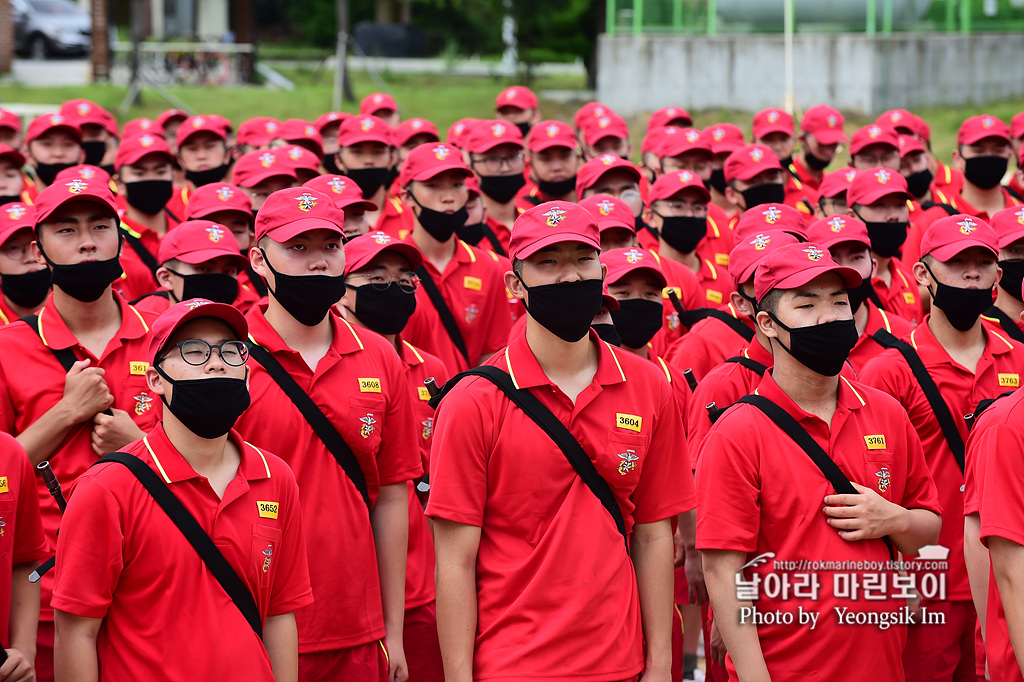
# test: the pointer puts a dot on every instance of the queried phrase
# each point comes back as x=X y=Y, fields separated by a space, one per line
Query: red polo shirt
x=491 y=466
x=947 y=179
x=6 y=314
x=149 y=238
x=394 y=219
x=156 y=303
x=901 y=296
x=867 y=348
x=473 y=286
x=708 y=343
x=759 y=493
x=248 y=296
x=122 y=559
x=178 y=204
x=800 y=197
x=32 y=382
x=718 y=242
x=804 y=175
x=993 y=488
x=690 y=293
x=998 y=369
x=361 y=386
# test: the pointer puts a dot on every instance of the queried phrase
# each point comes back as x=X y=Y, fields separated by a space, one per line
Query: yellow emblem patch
x=138 y=368
x=1009 y=380
x=722 y=259
x=628 y=421
x=909 y=298
x=423 y=392
x=369 y=385
x=875 y=442
x=714 y=296
x=474 y=283
x=268 y=510
x=3 y=484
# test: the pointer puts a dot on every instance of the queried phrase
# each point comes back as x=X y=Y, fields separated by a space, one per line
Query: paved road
x=48 y=73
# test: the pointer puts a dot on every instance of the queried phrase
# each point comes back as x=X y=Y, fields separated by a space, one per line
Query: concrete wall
x=852 y=72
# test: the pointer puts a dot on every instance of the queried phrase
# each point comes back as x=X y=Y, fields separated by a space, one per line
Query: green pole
x=872 y=11
x=677 y=15
x=609 y=17
x=886 y=17
x=950 y=16
x=638 y=17
x=965 y=17
x=712 y=17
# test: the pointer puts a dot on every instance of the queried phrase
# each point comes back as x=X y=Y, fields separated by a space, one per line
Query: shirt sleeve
x=398 y=457
x=1000 y=483
x=291 y=589
x=499 y=321
x=30 y=542
x=884 y=372
x=665 y=487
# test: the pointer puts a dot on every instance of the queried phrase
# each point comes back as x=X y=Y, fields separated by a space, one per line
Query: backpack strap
x=692 y=317
x=441 y=306
x=1008 y=325
x=753 y=365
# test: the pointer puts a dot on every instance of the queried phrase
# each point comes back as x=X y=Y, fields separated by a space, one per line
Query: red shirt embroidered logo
x=629 y=459
x=368 y=425
x=884 y=479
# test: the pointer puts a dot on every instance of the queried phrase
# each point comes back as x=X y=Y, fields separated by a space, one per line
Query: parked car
x=44 y=28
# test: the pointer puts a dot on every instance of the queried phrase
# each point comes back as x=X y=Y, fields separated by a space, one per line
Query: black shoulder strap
x=447 y=319
x=196 y=536
x=1013 y=193
x=171 y=215
x=493 y=239
x=752 y=365
x=323 y=428
x=785 y=421
x=874 y=298
x=931 y=392
x=257 y=282
x=945 y=207
x=549 y=423
x=982 y=406
x=1008 y=325
x=163 y=293
x=692 y=317
x=65 y=356
x=141 y=251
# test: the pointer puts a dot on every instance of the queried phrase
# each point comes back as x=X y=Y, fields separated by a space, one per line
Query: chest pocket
x=365 y=422
x=880 y=475
x=622 y=460
x=264 y=556
x=139 y=402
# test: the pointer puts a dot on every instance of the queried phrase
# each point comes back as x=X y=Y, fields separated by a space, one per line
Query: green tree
x=547 y=31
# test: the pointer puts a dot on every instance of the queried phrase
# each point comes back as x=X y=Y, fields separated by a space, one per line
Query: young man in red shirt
x=968 y=362
x=553 y=163
x=832 y=193
x=494 y=151
x=754 y=176
x=774 y=129
x=606 y=134
x=261 y=173
x=382 y=106
x=24 y=278
x=763 y=502
x=367 y=156
x=821 y=131
x=507 y=507
x=357 y=564
x=12 y=182
x=518 y=106
x=99 y=131
x=875 y=146
x=145 y=178
x=347 y=196
x=1005 y=312
x=119 y=610
x=10 y=129
x=201 y=145
x=52 y=143
x=725 y=139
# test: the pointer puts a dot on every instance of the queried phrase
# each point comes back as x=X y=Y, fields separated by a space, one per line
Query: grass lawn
x=440 y=98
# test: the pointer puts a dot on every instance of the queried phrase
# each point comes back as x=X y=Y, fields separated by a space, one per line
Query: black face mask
x=565 y=309
x=392 y=176
x=860 y=294
x=94 y=151
x=821 y=348
x=771 y=193
x=637 y=321
x=815 y=162
x=47 y=172
x=787 y=162
x=683 y=233
x=369 y=179
x=307 y=298
x=502 y=188
x=718 y=180
x=919 y=183
x=556 y=188
x=208 y=176
x=330 y=162
x=109 y=169
x=207 y=407
x=962 y=307
x=886 y=238
x=985 y=172
x=9 y=198
x=213 y=286
x=438 y=224
x=472 y=233
x=87 y=281
x=524 y=128
x=1013 y=277
x=607 y=333
x=29 y=289
x=385 y=311
x=640 y=225
x=149 y=196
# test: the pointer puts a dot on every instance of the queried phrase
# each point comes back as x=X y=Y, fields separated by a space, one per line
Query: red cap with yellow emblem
x=749 y=252
x=621 y=262
x=430 y=160
x=197 y=241
x=290 y=212
x=343 y=191
x=550 y=223
x=949 y=236
x=15 y=216
x=216 y=197
x=133 y=149
x=256 y=166
x=794 y=265
x=747 y=162
x=60 y=193
x=364 y=248
x=670 y=184
x=838 y=229
x=871 y=184
x=548 y=134
x=609 y=212
x=186 y=311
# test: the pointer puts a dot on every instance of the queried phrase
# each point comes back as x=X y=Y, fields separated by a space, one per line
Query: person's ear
x=155 y=382
x=766 y=325
x=163 y=278
x=741 y=304
x=515 y=286
x=258 y=262
x=874 y=267
x=733 y=195
x=921 y=275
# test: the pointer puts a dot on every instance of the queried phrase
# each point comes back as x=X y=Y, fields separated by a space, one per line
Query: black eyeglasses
x=197 y=352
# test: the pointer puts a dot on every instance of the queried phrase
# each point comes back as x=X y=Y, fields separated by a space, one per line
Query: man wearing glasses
x=496 y=154
x=129 y=587
x=24 y=277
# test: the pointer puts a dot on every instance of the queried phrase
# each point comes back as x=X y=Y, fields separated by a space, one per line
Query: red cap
x=979 y=127
x=676 y=141
x=258 y=131
x=412 y=127
x=458 y=131
x=751 y=251
x=13 y=217
x=171 y=115
x=948 y=236
x=548 y=134
x=768 y=218
x=725 y=138
x=224 y=123
x=653 y=139
x=83 y=112
x=836 y=182
x=909 y=144
x=871 y=184
x=140 y=126
x=550 y=223
x=873 y=134
x=299 y=158
x=670 y=184
x=1016 y=125
x=486 y=135
x=343 y=191
x=295 y=130
x=9 y=119
x=824 y=123
x=197 y=241
x=621 y=262
x=84 y=171
x=377 y=101
x=12 y=155
x=768 y=121
x=290 y=212
x=838 y=229
x=794 y=265
x=60 y=193
x=610 y=125
x=590 y=110
x=607 y=300
x=901 y=119
x=132 y=149
x=163 y=327
x=748 y=162
x=360 y=251
x=47 y=122
x=1009 y=225
x=254 y=167
x=200 y=124
x=592 y=171
x=331 y=117
x=516 y=96
x=364 y=128
x=217 y=197
x=609 y=212
x=666 y=115
x=430 y=160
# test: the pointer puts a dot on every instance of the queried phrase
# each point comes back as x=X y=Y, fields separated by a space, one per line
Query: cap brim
x=42 y=216
x=15 y=156
x=75 y=132
x=491 y=144
x=219 y=209
x=841 y=239
x=875 y=196
x=981 y=135
x=550 y=143
x=633 y=268
x=354 y=139
x=295 y=228
x=555 y=238
x=851 y=278
x=772 y=128
x=356 y=203
x=437 y=169
x=944 y=253
x=197 y=257
x=222 y=311
x=828 y=136
x=1004 y=240
x=411 y=253
x=256 y=178
x=725 y=148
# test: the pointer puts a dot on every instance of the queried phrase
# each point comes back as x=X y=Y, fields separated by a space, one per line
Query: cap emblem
x=198 y=122
x=295 y=153
x=832 y=121
x=87 y=173
x=337 y=185
x=757 y=154
x=634 y=255
x=773 y=116
x=761 y=242
x=216 y=233
x=377 y=99
x=56 y=119
x=441 y=152
x=197 y=302
x=717 y=134
x=76 y=186
x=551 y=130
x=1020 y=216
x=606 y=207
x=987 y=123
x=874 y=132
x=772 y=215
x=15 y=212
x=307 y=202
x=311 y=131
x=270 y=126
x=608 y=159
x=883 y=175
x=851 y=174
x=147 y=140
x=967 y=226
x=367 y=124
x=837 y=223
x=814 y=253
x=498 y=129
x=554 y=216
x=267 y=159
x=896 y=117
x=692 y=136
x=381 y=237
x=225 y=193
x=685 y=176
x=83 y=108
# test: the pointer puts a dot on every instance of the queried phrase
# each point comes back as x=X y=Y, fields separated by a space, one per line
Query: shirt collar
x=526 y=371
x=174 y=468
x=932 y=352
x=410 y=356
x=55 y=333
x=344 y=337
x=848 y=398
x=756 y=352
